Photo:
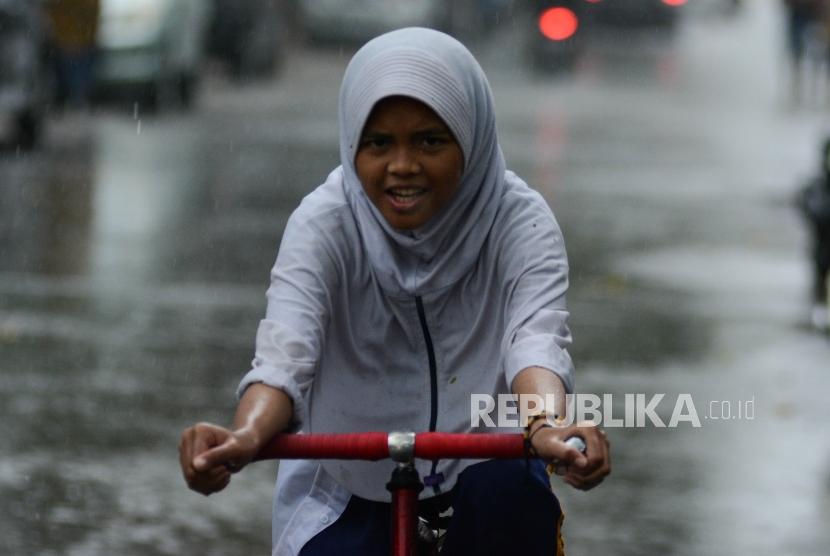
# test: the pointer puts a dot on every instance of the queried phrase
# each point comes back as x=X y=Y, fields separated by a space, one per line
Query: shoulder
x=525 y=221
x=325 y=205
x=322 y=223
x=522 y=202
x=324 y=214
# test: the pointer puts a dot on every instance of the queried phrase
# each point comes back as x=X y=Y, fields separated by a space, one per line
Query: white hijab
x=439 y=71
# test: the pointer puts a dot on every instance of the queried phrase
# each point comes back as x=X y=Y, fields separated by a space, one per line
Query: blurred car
x=24 y=71
x=247 y=36
x=563 y=28
x=657 y=13
x=558 y=33
x=152 y=46
x=360 y=20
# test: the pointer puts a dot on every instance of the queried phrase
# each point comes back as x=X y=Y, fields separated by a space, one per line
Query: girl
x=421 y=272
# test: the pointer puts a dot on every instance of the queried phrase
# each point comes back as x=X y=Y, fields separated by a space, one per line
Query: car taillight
x=674 y=3
x=558 y=23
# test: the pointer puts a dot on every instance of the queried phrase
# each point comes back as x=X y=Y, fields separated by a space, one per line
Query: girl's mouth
x=405 y=198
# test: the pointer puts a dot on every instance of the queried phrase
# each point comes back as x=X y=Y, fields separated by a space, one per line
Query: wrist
x=540 y=419
x=248 y=437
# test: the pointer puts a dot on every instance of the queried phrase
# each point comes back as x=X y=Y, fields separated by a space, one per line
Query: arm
x=208 y=454
x=288 y=345
x=534 y=267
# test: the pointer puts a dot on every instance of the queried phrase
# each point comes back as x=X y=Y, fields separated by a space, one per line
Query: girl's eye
x=432 y=141
x=375 y=142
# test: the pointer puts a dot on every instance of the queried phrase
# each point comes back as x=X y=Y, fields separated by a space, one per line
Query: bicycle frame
x=403 y=448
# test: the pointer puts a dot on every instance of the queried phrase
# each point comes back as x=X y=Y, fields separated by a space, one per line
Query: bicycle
x=403 y=448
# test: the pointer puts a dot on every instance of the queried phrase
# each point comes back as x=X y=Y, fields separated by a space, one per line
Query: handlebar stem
x=402 y=446
x=404 y=485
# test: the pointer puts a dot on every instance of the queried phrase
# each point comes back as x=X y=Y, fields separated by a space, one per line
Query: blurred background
x=153 y=149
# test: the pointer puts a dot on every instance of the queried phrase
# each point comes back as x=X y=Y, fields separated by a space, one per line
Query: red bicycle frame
x=402 y=447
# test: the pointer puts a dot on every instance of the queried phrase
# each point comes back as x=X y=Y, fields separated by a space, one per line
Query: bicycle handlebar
x=440 y=445
x=375 y=446
x=364 y=445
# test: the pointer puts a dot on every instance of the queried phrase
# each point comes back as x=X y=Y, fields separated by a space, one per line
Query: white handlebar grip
x=576 y=442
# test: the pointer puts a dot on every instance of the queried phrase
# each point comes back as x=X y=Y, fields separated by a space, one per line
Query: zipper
x=433 y=479
x=433 y=369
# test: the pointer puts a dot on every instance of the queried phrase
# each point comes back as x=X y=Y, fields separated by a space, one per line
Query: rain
x=138 y=228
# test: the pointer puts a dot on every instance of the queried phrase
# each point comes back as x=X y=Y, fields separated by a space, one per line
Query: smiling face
x=408 y=162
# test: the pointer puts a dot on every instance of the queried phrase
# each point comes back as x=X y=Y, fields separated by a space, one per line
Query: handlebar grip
x=576 y=442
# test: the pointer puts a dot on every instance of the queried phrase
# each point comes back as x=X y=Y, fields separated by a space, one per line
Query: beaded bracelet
x=529 y=439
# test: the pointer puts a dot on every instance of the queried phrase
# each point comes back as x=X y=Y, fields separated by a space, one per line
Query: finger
x=550 y=445
x=217 y=473
x=208 y=481
x=596 y=451
x=571 y=456
x=222 y=483
x=606 y=446
x=234 y=466
x=205 y=438
x=592 y=479
x=604 y=455
x=578 y=479
x=573 y=459
x=226 y=455
x=186 y=454
x=194 y=440
x=586 y=480
x=218 y=481
x=579 y=483
x=184 y=450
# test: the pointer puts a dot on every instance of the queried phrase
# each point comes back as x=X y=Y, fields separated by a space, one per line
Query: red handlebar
x=374 y=446
x=365 y=445
x=440 y=445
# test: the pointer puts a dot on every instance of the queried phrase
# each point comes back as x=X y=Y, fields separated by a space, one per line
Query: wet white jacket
x=354 y=357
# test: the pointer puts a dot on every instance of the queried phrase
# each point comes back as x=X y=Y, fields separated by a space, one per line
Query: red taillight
x=674 y=3
x=558 y=24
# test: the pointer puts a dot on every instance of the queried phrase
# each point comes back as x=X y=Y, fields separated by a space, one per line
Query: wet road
x=135 y=250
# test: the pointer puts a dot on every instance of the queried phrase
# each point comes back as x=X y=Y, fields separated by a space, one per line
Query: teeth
x=406 y=192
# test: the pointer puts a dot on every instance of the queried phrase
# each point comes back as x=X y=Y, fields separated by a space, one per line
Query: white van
x=157 y=45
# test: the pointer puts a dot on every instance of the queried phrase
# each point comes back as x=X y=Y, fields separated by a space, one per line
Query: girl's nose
x=404 y=162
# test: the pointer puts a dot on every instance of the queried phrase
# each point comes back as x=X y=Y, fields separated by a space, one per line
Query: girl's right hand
x=209 y=454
